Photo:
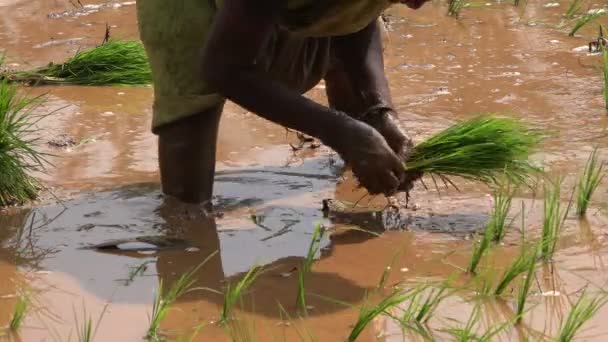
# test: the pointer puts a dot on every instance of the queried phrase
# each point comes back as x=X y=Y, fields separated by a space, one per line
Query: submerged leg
x=187 y=156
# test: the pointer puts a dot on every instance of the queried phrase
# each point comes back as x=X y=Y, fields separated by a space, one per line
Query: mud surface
x=269 y=198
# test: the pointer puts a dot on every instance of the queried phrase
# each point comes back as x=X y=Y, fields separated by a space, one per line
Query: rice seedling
x=23 y=302
x=518 y=266
x=480 y=249
x=587 y=18
x=554 y=216
x=454 y=7
x=112 y=63
x=574 y=8
x=582 y=311
x=420 y=310
x=233 y=293
x=367 y=314
x=85 y=331
x=503 y=197
x=524 y=289
x=481 y=149
x=313 y=248
x=604 y=71
x=468 y=332
x=589 y=180
x=162 y=300
x=18 y=153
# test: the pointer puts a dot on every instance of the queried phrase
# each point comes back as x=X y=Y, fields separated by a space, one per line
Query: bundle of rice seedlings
x=234 y=292
x=519 y=266
x=18 y=154
x=588 y=182
x=480 y=249
x=588 y=17
x=482 y=149
x=112 y=63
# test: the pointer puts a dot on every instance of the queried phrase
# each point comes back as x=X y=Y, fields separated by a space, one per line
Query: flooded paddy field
x=104 y=187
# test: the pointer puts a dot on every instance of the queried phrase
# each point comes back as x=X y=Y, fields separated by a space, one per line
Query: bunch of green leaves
x=234 y=293
x=582 y=311
x=112 y=63
x=554 y=216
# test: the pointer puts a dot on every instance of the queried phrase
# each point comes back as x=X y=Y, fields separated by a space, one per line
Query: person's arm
x=239 y=32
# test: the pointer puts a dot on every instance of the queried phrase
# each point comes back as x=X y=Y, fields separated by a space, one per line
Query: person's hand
x=376 y=166
x=384 y=122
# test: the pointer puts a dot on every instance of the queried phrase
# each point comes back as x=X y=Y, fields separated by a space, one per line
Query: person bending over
x=263 y=55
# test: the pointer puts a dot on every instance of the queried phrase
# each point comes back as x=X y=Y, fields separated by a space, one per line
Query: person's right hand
x=372 y=160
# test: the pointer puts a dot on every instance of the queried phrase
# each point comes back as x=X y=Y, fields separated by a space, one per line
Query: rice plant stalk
x=19 y=312
x=112 y=63
x=18 y=146
x=587 y=18
x=233 y=293
x=480 y=249
x=162 y=300
x=589 y=180
x=582 y=311
x=503 y=197
x=305 y=269
x=574 y=8
x=554 y=216
x=367 y=314
x=483 y=149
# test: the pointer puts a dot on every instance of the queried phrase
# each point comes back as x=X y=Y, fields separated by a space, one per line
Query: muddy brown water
x=493 y=59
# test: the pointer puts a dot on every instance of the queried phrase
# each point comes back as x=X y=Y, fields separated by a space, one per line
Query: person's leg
x=187 y=156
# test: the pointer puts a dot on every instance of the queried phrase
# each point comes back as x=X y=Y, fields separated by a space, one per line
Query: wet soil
x=269 y=197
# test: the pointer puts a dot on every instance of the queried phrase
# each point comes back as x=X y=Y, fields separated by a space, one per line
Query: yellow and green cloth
x=173 y=32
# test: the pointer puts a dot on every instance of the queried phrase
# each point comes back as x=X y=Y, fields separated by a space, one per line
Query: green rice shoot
x=162 y=300
x=23 y=302
x=234 y=293
x=112 y=63
x=368 y=313
x=483 y=149
x=18 y=146
x=480 y=249
x=587 y=18
x=503 y=197
x=589 y=182
x=604 y=72
x=574 y=8
x=554 y=216
x=582 y=311
x=454 y=7
x=468 y=332
x=524 y=289
x=306 y=268
x=519 y=266
x=421 y=311
x=84 y=330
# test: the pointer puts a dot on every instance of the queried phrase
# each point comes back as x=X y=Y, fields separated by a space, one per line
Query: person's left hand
x=385 y=123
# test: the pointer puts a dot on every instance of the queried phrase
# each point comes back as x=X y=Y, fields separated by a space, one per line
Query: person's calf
x=187 y=151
